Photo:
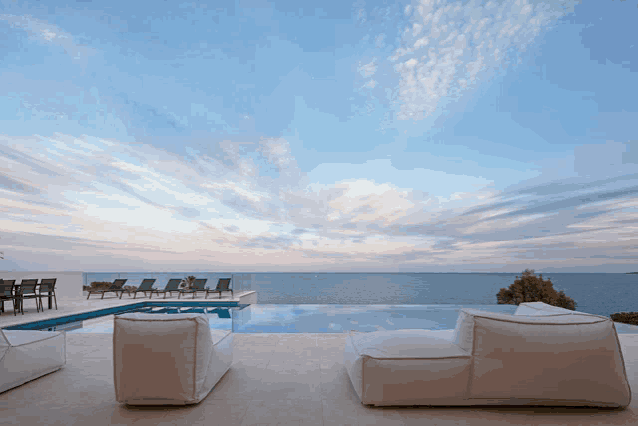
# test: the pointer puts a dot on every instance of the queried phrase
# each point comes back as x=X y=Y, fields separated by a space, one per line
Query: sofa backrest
x=556 y=356
x=182 y=339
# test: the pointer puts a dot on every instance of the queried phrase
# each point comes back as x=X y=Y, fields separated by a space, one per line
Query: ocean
x=601 y=294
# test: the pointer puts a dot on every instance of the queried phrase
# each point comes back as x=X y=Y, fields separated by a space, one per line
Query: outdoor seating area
x=539 y=365
x=198 y=286
x=173 y=285
x=116 y=288
x=222 y=285
x=540 y=355
x=28 y=289
x=274 y=379
x=191 y=357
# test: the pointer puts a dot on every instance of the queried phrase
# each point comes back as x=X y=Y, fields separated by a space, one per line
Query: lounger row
x=172 y=286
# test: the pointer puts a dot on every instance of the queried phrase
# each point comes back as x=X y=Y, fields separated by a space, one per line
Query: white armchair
x=26 y=355
x=541 y=355
x=168 y=359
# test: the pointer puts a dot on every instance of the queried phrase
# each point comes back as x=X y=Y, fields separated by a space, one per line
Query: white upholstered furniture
x=541 y=355
x=26 y=355
x=162 y=359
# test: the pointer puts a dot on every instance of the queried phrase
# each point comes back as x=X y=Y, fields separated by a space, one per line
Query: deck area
x=276 y=379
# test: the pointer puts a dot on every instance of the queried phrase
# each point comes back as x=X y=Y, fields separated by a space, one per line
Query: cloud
x=368 y=69
x=45 y=33
x=449 y=47
x=13 y=185
x=249 y=204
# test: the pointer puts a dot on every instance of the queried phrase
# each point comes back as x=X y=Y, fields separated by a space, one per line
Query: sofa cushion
x=408 y=343
x=407 y=367
x=551 y=357
x=167 y=359
x=563 y=358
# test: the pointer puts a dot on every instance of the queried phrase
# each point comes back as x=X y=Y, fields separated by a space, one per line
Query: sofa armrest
x=26 y=355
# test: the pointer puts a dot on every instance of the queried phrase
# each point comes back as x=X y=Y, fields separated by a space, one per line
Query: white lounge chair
x=26 y=355
x=168 y=359
x=541 y=355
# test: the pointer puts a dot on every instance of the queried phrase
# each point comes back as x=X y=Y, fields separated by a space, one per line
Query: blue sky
x=414 y=136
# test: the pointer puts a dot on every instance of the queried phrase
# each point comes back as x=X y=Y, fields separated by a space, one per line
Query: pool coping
x=241 y=300
x=110 y=305
x=112 y=310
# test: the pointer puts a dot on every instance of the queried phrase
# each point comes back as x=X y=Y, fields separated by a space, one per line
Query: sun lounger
x=145 y=286
x=171 y=286
x=222 y=285
x=26 y=355
x=536 y=357
x=114 y=288
x=168 y=359
x=198 y=285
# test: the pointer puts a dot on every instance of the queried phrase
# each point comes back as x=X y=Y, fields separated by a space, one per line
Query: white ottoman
x=26 y=355
x=168 y=359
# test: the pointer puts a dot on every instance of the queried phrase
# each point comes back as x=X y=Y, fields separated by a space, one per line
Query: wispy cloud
x=45 y=33
x=255 y=200
x=258 y=154
x=448 y=47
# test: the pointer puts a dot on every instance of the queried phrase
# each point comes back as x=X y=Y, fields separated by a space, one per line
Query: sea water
x=601 y=294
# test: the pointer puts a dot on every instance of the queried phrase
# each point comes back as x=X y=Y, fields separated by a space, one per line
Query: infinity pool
x=294 y=318
x=345 y=318
x=298 y=318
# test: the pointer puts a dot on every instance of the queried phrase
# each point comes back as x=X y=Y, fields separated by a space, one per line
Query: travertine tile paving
x=277 y=379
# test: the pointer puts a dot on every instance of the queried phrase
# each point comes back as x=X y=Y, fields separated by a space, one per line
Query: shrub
x=98 y=285
x=625 y=317
x=187 y=283
x=530 y=288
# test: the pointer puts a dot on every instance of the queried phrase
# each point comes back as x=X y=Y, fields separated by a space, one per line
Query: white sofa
x=168 y=359
x=541 y=355
x=26 y=355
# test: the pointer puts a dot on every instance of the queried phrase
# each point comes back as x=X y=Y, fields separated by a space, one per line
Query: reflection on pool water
x=218 y=318
x=310 y=318
x=315 y=318
x=345 y=318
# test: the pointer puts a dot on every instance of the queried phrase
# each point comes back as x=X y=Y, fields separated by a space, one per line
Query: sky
x=332 y=136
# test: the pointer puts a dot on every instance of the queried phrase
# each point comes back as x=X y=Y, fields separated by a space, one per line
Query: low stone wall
x=625 y=317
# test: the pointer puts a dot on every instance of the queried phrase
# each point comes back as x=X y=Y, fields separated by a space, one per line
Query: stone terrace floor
x=276 y=379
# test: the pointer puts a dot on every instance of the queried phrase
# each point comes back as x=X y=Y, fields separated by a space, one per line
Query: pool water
x=309 y=318
x=218 y=318
x=345 y=318
x=291 y=318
